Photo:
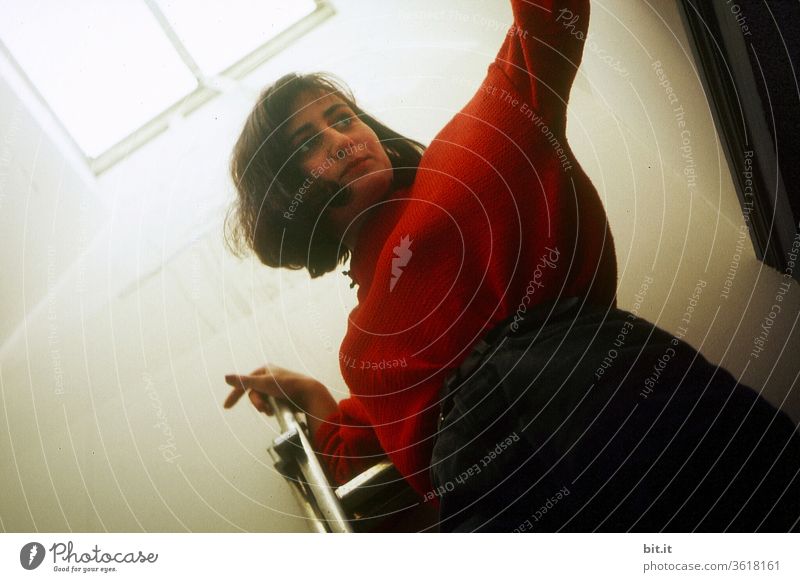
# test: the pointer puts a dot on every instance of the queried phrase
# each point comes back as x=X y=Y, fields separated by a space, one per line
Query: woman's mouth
x=353 y=166
x=345 y=194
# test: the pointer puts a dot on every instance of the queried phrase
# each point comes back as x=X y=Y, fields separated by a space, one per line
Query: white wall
x=123 y=311
x=626 y=133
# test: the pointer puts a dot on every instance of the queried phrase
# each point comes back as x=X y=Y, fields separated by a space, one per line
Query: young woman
x=486 y=356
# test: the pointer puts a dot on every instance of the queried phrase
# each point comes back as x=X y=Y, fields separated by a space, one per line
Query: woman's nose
x=339 y=142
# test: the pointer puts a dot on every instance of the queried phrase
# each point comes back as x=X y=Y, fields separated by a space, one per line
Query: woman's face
x=331 y=143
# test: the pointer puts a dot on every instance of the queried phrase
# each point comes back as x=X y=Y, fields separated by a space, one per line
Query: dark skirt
x=596 y=420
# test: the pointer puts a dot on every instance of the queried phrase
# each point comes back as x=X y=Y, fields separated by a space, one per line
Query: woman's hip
x=586 y=422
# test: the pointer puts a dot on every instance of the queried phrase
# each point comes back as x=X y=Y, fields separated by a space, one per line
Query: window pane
x=104 y=66
x=217 y=34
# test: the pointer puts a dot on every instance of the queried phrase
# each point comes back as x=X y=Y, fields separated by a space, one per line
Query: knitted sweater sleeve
x=542 y=51
x=346 y=442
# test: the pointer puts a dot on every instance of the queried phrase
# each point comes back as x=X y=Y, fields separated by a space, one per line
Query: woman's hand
x=269 y=380
x=308 y=394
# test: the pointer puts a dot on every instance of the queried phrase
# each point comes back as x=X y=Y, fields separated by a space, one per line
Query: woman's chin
x=359 y=197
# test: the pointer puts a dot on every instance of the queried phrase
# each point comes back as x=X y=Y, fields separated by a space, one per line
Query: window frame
x=731 y=85
x=191 y=101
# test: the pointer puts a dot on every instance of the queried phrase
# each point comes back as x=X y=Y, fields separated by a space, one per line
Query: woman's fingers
x=239 y=388
x=271 y=380
x=244 y=383
x=266 y=384
x=260 y=402
x=233 y=397
x=257 y=387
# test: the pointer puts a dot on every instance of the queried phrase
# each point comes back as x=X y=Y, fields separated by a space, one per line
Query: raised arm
x=542 y=51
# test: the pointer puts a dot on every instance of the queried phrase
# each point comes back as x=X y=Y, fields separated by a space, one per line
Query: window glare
x=219 y=34
x=105 y=68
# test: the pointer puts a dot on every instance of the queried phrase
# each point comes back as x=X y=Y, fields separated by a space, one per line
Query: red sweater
x=500 y=217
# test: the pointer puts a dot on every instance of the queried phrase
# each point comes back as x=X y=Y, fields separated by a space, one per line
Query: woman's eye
x=309 y=145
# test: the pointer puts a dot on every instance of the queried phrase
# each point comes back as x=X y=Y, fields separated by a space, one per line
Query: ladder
x=378 y=499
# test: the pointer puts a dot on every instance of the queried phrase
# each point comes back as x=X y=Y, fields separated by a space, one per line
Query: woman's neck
x=351 y=235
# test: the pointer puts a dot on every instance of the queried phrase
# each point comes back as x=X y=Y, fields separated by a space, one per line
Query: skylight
x=107 y=68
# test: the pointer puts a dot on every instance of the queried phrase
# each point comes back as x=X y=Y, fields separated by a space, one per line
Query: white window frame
x=204 y=92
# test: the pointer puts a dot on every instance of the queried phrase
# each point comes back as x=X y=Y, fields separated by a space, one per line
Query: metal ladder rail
x=294 y=450
x=377 y=493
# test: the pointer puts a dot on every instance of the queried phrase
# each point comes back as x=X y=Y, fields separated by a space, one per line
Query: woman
x=486 y=281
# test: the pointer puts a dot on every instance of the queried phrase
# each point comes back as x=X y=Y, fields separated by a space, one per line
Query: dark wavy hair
x=266 y=172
